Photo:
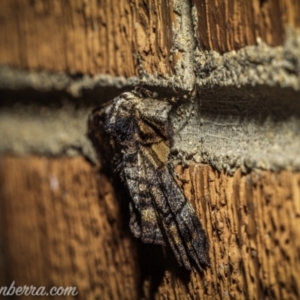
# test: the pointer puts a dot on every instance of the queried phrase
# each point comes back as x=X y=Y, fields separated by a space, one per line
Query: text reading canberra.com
x=37 y=291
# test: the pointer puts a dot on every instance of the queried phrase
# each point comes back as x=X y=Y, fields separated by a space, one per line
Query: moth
x=139 y=124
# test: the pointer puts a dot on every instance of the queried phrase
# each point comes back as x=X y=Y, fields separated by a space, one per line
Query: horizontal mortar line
x=14 y=78
x=221 y=124
x=222 y=137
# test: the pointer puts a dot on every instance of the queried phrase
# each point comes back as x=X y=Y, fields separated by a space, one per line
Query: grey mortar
x=42 y=130
x=248 y=127
x=183 y=42
x=246 y=113
x=252 y=65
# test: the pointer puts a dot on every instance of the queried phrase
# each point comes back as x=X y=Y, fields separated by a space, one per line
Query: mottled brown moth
x=160 y=214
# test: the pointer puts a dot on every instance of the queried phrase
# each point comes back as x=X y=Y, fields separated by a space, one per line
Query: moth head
x=120 y=116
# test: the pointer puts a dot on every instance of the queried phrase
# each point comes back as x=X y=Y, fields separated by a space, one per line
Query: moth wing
x=191 y=231
x=143 y=220
x=174 y=214
x=158 y=198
